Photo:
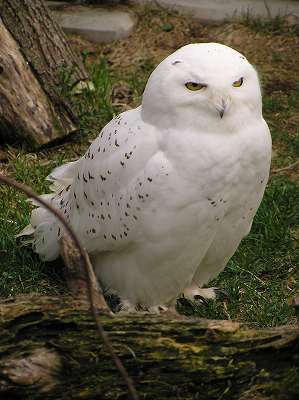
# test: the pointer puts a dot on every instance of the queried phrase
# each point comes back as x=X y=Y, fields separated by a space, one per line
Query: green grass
x=261 y=276
x=275 y=25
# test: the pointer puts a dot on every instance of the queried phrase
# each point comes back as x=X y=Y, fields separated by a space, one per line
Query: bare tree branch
x=84 y=259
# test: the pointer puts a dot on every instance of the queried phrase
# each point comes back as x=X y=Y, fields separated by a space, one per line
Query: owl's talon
x=200 y=298
x=221 y=294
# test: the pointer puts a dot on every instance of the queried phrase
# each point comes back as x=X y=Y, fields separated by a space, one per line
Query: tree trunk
x=34 y=57
x=49 y=349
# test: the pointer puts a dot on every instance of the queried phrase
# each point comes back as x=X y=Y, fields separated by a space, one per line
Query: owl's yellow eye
x=194 y=86
x=238 y=83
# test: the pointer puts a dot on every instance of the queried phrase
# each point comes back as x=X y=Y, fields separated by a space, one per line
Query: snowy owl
x=164 y=195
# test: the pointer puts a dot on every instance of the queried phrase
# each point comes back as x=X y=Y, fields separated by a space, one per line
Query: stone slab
x=95 y=23
x=219 y=10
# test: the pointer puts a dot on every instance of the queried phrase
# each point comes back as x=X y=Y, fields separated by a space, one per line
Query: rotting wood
x=49 y=350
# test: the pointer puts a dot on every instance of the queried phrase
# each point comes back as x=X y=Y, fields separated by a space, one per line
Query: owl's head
x=206 y=85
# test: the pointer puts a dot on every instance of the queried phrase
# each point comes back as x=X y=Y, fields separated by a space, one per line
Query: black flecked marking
x=109 y=216
x=92 y=203
x=125 y=233
x=90 y=176
x=99 y=149
x=77 y=205
x=116 y=143
x=105 y=237
x=109 y=172
x=102 y=216
x=126 y=214
x=67 y=188
x=104 y=150
x=150 y=179
x=93 y=230
x=134 y=216
x=84 y=179
x=128 y=205
x=103 y=177
x=140 y=196
x=85 y=195
x=113 y=236
x=122 y=163
x=108 y=204
x=75 y=195
x=78 y=176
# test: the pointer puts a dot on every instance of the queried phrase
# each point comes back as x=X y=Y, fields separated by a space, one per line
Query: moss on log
x=49 y=349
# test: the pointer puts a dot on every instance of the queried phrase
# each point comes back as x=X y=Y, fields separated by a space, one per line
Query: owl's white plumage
x=164 y=195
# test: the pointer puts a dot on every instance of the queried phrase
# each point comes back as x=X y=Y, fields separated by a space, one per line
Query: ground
x=262 y=277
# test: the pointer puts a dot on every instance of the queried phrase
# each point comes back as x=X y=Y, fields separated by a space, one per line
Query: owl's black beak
x=221 y=108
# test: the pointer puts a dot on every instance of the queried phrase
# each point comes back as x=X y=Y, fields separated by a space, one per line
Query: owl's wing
x=102 y=194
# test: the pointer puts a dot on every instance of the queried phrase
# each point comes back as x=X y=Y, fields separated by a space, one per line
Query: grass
x=262 y=276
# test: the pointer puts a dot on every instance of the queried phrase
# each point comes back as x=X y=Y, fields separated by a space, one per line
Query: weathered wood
x=49 y=350
x=34 y=56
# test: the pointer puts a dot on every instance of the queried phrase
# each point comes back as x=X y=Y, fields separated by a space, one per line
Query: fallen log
x=49 y=349
x=34 y=57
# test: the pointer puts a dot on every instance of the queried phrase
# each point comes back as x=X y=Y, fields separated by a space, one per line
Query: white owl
x=164 y=195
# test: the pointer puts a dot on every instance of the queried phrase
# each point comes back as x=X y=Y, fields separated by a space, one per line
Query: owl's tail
x=44 y=230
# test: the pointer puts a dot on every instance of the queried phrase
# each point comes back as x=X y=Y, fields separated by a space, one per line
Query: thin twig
x=89 y=271
x=291 y=166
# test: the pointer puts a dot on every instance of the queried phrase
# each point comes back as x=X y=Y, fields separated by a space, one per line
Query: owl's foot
x=126 y=307
x=193 y=292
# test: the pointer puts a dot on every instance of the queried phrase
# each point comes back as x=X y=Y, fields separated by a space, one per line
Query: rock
x=220 y=10
x=95 y=23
